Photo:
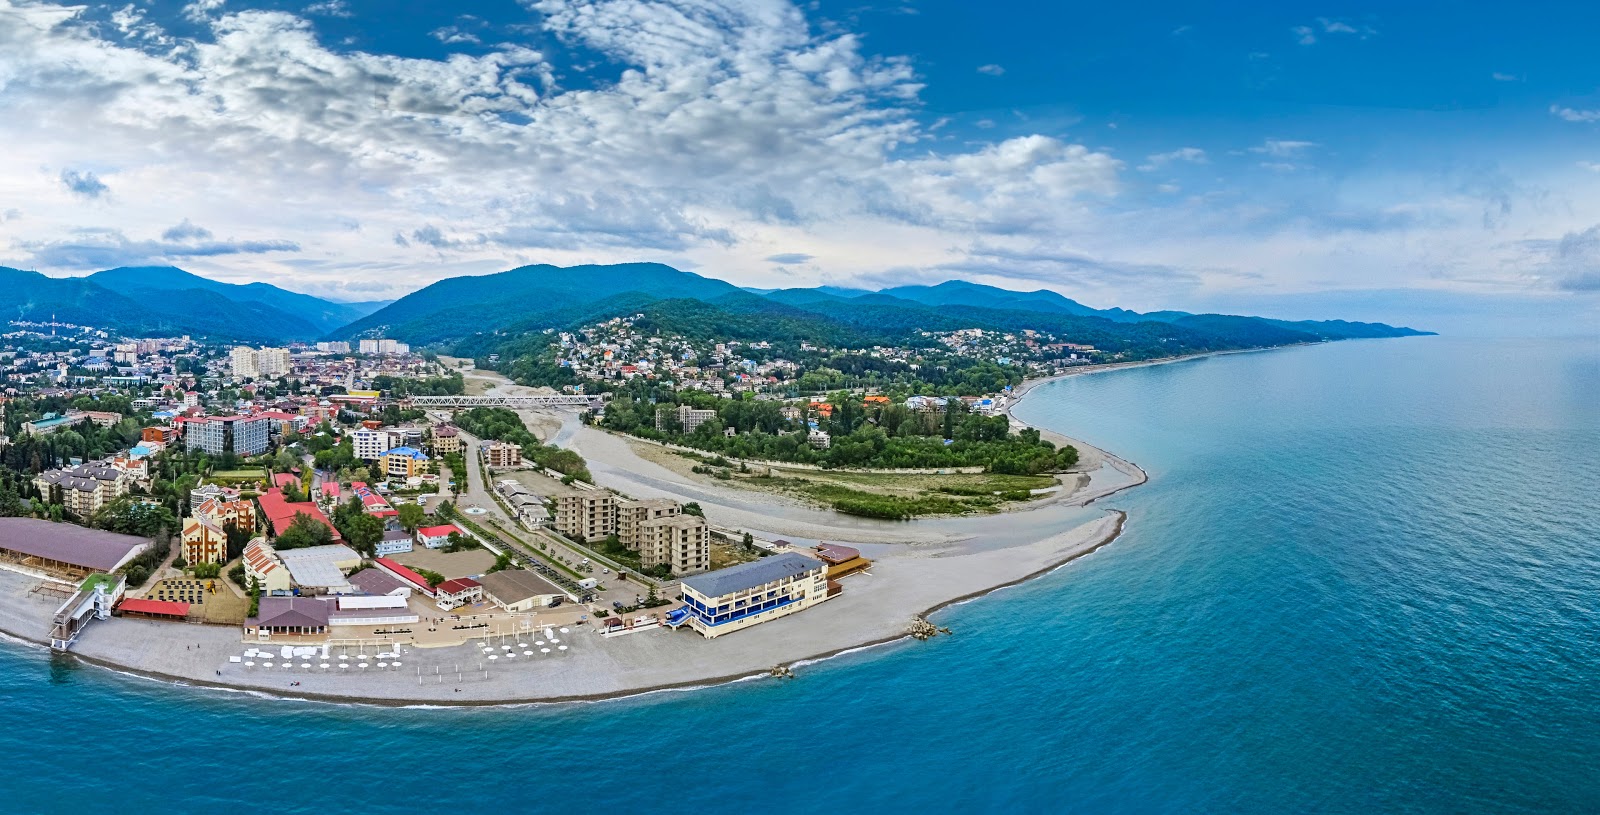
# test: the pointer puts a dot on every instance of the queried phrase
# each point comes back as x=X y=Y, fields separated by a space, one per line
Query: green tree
x=304 y=531
x=412 y=517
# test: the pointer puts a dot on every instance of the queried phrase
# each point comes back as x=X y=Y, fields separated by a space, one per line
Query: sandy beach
x=919 y=567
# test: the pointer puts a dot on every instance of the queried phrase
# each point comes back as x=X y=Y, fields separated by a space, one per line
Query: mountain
x=526 y=298
x=169 y=289
x=483 y=314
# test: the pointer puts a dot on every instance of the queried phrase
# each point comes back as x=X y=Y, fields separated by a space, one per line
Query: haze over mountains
x=477 y=313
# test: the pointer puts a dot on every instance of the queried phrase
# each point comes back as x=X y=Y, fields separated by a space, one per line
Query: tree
x=304 y=531
x=749 y=542
x=412 y=516
x=693 y=508
x=361 y=531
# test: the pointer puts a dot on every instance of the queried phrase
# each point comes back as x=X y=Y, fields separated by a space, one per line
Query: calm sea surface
x=1365 y=577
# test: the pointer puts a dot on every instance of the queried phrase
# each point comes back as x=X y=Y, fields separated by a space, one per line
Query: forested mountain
x=305 y=316
x=486 y=314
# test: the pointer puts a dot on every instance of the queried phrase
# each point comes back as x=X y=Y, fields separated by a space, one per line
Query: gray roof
x=752 y=574
x=516 y=585
x=376 y=582
x=80 y=546
x=316 y=566
x=285 y=612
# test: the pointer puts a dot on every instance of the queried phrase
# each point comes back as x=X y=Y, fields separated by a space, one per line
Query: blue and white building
x=728 y=600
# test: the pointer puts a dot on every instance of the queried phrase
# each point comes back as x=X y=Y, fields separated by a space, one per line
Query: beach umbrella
x=563 y=647
x=305 y=664
x=267 y=664
x=383 y=665
x=544 y=650
x=563 y=630
x=493 y=656
x=395 y=664
x=346 y=665
x=527 y=653
x=324 y=666
x=362 y=665
x=249 y=664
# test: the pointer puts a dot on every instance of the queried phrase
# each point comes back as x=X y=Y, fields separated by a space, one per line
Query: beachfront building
x=682 y=543
x=841 y=560
x=263 y=568
x=379 y=583
x=586 y=514
x=519 y=590
x=204 y=541
x=405 y=575
x=65 y=549
x=632 y=513
x=321 y=569
x=462 y=591
x=733 y=599
x=502 y=454
x=289 y=617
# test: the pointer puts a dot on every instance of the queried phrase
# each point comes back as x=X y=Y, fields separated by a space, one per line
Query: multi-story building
x=682 y=543
x=689 y=418
x=204 y=540
x=586 y=514
x=502 y=454
x=83 y=489
x=241 y=435
x=384 y=346
x=261 y=564
x=242 y=361
x=369 y=443
x=446 y=440
x=631 y=513
x=732 y=599
x=402 y=462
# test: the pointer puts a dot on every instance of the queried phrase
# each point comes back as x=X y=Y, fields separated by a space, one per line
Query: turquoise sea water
x=1365 y=577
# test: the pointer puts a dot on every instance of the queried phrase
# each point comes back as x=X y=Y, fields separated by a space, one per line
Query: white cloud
x=991 y=70
x=1591 y=166
x=1156 y=161
x=1575 y=114
x=1503 y=77
x=200 y=11
x=1282 y=148
x=1307 y=34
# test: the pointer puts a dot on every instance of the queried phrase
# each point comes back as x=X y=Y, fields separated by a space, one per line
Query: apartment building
x=689 y=418
x=83 y=489
x=631 y=513
x=241 y=435
x=369 y=443
x=586 y=514
x=682 y=543
x=204 y=540
x=402 y=462
x=502 y=454
x=446 y=440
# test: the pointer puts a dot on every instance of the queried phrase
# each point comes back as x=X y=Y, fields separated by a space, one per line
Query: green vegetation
x=359 y=529
x=878 y=437
x=433 y=577
x=503 y=424
x=303 y=531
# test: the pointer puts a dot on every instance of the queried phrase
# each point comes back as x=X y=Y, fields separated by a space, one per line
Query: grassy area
x=251 y=474
x=724 y=555
x=899 y=497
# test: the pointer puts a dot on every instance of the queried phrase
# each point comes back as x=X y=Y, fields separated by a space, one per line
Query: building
x=242 y=361
x=841 y=560
x=51 y=422
x=502 y=454
x=631 y=513
x=446 y=440
x=258 y=363
x=586 y=514
x=159 y=433
x=216 y=435
x=261 y=565
x=289 y=616
x=819 y=439
x=368 y=443
x=689 y=418
x=402 y=462
x=65 y=549
x=280 y=512
x=384 y=347
x=406 y=576
x=368 y=609
x=728 y=600
x=394 y=542
x=682 y=543
x=461 y=591
x=204 y=540
x=518 y=590
x=320 y=569
x=83 y=489
x=437 y=537
x=377 y=582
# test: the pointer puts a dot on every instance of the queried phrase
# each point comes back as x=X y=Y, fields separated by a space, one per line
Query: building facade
x=83 y=489
x=216 y=435
x=502 y=454
x=733 y=599
x=682 y=543
x=631 y=513
x=586 y=514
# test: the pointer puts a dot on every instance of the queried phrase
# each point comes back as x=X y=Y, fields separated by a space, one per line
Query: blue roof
x=752 y=574
x=406 y=451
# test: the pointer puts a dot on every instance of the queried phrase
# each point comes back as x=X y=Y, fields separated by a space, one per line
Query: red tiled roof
x=405 y=574
x=457 y=585
x=284 y=479
x=163 y=607
x=440 y=531
x=280 y=513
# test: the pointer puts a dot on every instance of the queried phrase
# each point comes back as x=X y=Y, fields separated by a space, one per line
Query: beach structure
x=93 y=600
x=733 y=599
x=841 y=560
x=520 y=590
x=461 y=591
x=289 y=617
x=372 y=610
x=65 y=550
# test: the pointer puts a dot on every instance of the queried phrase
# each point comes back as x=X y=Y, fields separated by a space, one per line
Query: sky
x=1425 y=163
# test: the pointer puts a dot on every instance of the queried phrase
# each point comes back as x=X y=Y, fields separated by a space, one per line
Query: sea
x=1364 y=577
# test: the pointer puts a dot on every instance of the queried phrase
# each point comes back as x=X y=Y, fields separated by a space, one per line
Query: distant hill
x=526 y=298
x=487 y=314
x=172 y=289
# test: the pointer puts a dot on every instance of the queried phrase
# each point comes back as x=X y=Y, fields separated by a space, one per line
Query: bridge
x=513 y=402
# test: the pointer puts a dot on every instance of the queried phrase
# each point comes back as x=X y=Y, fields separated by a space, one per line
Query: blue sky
x=1434 y=164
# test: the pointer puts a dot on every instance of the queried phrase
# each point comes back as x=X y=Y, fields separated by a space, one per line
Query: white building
x=369 y=443
x=727 y=600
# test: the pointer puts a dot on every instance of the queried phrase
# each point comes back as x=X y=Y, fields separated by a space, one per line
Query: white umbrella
x=563 y=647
x=383 y=665
x=553 y=640
x=505 y=647
x=345 y=666
x=249 y=664
x=511 y=656
x=305 y=664
x=527 y=653
x=539 y=642
x=362 y=665
x=492 y=656
x=563 y=630
x=344 y=656
x=544 y=650
x=396 y=664
x=267 y=664
x=324 y=666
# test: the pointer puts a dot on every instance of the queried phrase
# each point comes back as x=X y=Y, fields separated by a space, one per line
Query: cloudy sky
x=1427 y=165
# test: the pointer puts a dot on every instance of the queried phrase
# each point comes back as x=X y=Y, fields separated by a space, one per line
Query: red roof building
x=154 y=608
x=410 y=578
x=280 y=512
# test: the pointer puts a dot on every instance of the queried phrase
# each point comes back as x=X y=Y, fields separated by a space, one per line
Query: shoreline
x=916 y=580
